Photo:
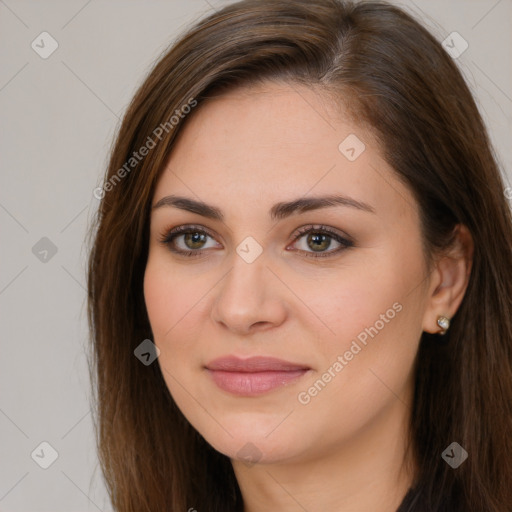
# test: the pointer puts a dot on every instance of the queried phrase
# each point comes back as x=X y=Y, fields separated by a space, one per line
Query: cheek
x=363 y=296
x=171 y=298
x=376 y=315
x=159 y=299
x=165 y=304
x=175 y=307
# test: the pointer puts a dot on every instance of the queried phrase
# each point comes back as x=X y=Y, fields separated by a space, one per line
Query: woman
x=300 y=289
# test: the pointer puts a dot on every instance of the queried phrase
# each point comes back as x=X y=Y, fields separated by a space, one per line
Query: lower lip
x=252 y=384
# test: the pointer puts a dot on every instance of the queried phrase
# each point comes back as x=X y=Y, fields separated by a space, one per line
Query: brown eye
x=188 y=240
x=314 y=241
x=318 y=242
x=194 y=240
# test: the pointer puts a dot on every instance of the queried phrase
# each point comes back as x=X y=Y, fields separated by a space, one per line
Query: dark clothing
x=413 y=502
x=408 y=502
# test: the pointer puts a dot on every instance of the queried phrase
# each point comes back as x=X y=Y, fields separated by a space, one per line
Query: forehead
x=275 y=142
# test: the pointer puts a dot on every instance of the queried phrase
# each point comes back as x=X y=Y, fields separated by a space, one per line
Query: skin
x=243 y=152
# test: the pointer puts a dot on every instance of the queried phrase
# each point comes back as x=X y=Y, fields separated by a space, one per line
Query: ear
x=449 y=280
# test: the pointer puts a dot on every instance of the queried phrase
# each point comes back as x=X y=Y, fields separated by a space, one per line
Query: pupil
x=194 y=238
x=319 y=241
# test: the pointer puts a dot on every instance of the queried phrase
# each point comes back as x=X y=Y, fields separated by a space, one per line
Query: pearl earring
x=444 y=323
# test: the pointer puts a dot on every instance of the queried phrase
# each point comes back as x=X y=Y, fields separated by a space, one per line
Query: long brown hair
x=395 y=78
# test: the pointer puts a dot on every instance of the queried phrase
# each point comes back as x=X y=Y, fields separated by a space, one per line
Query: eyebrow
x=277 y=212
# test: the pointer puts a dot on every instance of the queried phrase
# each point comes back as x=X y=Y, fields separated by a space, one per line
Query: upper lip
x=253 y=364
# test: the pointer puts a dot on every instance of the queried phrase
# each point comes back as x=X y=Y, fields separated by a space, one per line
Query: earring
x=444 y=323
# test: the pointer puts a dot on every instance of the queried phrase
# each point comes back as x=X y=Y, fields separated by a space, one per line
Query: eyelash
x=168 y=237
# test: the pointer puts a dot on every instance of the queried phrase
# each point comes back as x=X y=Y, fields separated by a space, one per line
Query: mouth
x=255 y=375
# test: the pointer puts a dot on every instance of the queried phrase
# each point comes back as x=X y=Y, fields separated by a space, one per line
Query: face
x=334 y=290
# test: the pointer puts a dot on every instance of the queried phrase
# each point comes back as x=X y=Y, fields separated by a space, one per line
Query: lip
x=255 y=375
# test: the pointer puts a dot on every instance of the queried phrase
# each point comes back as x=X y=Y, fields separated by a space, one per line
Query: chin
x=252 y=441
x=251 y=451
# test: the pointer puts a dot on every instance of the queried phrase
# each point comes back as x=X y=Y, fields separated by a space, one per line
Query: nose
x=250 y=298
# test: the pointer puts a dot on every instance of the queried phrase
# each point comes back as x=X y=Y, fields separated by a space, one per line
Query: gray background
x=58 y=117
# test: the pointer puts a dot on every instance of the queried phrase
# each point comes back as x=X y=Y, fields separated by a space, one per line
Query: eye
x=187 y=240
x=315 y=240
